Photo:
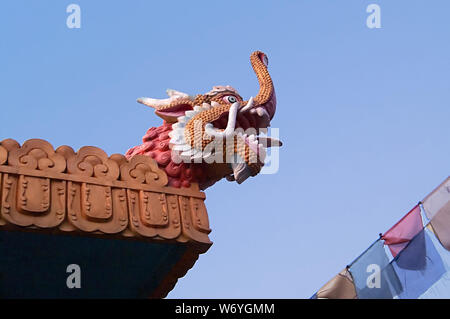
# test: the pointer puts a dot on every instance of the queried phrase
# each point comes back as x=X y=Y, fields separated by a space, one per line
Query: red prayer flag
x=401 y=233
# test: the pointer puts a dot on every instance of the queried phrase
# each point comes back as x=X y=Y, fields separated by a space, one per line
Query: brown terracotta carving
x=3 y=155
x=87 y=191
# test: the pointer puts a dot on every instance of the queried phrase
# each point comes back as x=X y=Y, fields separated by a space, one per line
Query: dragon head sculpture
x=207 y=137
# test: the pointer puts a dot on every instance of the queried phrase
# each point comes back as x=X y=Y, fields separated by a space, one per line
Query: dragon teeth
x=177 y=141
x=190 y=114
x=178 y=131
x=175 y=134
x=182 y=119
x=178 y=126
x=260 y=111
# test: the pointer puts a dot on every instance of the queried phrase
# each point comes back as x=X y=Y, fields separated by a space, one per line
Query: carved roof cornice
x=89 y=193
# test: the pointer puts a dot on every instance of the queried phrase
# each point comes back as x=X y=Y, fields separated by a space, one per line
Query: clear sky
x=363 y=114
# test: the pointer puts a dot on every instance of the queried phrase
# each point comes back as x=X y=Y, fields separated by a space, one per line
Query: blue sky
x=363 y=114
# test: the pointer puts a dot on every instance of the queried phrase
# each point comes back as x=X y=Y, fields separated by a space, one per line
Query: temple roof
x=130 y=233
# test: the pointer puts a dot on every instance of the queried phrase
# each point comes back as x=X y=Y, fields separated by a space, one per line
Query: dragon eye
x=230 y=99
